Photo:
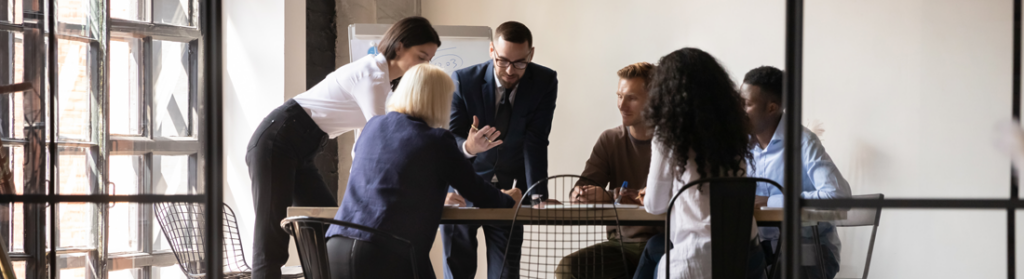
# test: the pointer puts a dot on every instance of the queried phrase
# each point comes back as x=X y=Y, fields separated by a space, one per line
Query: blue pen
x=625 y=184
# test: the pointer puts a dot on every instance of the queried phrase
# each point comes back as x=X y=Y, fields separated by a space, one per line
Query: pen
x=625 y=184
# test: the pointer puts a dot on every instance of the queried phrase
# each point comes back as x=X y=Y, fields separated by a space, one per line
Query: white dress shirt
x=691 y=216
x=349 y=96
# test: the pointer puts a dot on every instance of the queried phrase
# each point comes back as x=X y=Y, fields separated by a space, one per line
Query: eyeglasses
x=502 y=63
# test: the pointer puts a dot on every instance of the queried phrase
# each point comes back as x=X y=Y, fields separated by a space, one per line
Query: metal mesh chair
x=860 y=217
x=312 y=245
x=558 y=240
x=183 y=225
x=732 y=209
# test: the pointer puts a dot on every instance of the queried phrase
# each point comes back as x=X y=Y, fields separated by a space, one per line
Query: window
x=127 y=123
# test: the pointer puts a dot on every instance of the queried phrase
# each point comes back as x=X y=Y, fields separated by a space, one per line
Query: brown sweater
x=619 y=157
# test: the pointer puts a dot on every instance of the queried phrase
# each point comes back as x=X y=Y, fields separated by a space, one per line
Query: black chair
x=551 y=234
x=309 y=234
x=732 y=209
x=183 y=224
x=860 y=217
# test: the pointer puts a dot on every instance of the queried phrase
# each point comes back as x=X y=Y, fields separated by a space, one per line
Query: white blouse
x=691 y=215
x=349 y=96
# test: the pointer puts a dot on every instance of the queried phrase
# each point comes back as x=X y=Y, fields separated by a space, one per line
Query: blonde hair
x=424 y=92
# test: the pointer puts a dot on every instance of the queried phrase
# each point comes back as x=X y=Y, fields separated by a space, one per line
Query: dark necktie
x=504 y=113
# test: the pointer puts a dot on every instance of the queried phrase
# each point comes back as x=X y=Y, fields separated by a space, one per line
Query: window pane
x=16 y=160
x=173 y=107
x=19 y=269
x=124 y=224
x=124 y=274
x=19 y=57
x=76 y=176
x=72 y=11
x=72 y=273
x=174 y=12
x=125 y=97
x=18 y=229
x=78 y=221
x=129 y=9
x=168 y=272
x=172 y=175
x=74 y=84
x=11 y=51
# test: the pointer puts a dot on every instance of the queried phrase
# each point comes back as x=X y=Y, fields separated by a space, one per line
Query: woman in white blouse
x=281 y=151
x=701 y=131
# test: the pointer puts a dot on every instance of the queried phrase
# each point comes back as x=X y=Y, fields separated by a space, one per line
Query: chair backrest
x=732 y=212
x=557 y=231
x=861 y=216
x=309 y=234
x=183 y=225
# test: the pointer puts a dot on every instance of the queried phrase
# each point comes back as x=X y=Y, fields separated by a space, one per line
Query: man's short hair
x=642 y=70
x=514 y=32
x=769 y=79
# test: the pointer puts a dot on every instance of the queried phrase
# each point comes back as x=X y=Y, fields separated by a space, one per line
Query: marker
x=625 y=184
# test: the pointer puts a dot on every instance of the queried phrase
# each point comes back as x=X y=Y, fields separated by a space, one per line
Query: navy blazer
x=399 y=180
x=524 y=153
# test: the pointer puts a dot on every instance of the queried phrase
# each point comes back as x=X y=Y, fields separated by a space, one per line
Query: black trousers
x=351 y=259
x=280 y=158
x=459 y=244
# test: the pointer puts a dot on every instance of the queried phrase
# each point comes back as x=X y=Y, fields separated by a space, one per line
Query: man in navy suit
x=518 y=98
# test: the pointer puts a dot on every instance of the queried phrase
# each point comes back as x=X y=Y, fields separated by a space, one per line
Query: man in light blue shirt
x=762 y=91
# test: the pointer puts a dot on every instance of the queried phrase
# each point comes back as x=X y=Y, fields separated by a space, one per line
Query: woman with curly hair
x=701 y=131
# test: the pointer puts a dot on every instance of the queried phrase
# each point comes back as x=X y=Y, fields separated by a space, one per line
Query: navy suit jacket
x=399 y=180
x=524 y=153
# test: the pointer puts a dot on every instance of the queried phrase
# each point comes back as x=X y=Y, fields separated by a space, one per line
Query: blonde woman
x=404 y=162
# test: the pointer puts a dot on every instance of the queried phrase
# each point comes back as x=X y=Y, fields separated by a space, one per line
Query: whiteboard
x=461 y=46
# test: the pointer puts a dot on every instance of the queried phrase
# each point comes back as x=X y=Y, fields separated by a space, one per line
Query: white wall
x=906 y=91
x=264 y=65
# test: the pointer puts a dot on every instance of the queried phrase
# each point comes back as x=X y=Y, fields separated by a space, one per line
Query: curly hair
x=694 y=105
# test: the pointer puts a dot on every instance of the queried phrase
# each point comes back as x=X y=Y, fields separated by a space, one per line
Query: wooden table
x=627 y=216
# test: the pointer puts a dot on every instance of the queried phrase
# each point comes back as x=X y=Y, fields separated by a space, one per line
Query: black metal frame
x=209 y=28
x=792 y=94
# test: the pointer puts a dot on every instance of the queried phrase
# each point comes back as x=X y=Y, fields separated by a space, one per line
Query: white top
x=691 y=215
x=349 y=96
x=499 y=87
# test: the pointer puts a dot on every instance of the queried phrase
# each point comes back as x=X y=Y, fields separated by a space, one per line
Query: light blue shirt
x=821 y=180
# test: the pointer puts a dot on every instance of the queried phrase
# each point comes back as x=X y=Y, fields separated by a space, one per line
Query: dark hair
x=514 y=32
x=694 y=106
x=408 y=32
x=642 y=70
x=768 y=79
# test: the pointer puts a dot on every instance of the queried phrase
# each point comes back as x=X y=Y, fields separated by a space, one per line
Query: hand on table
x=590 y=194
x=550 y=202
x=455 y=199
x=480 y=140
x=760 y=201
x=515 y=193
x=629 y=196
x=640 y=195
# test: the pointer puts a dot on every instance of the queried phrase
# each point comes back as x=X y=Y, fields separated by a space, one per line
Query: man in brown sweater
x=621 y=154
